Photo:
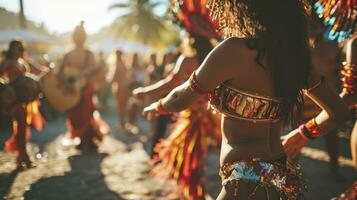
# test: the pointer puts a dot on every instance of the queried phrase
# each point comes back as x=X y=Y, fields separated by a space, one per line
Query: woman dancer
x=340 y=20
x=24 y=114
x=349 y=76
x=255 y=79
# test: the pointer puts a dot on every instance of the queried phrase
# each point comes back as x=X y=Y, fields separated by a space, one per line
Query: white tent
x=24 y=35
x=110 y=44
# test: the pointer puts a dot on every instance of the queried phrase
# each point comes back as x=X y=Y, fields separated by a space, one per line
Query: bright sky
x=63 y=15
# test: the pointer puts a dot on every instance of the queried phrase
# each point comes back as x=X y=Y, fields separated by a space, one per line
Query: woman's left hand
x=293 y=143
x=150 y=111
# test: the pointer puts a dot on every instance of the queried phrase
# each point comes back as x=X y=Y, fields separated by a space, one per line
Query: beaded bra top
x=239 y=104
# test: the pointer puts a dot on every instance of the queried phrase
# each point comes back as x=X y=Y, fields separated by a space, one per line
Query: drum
x=26 y=88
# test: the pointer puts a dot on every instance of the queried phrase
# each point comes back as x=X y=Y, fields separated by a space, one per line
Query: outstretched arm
x=183 y=66
x=208 y=77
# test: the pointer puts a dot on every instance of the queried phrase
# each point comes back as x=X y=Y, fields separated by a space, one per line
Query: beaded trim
x=302 y=132
x=312 y=130
x=160 y=108
x=349 y=76
x=243 y=105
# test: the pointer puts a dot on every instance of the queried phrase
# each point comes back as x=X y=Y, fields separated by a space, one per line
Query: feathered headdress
x=194 y=16
x=339 y=16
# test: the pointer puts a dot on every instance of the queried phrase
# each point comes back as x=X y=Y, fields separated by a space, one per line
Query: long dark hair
x=202 y=45
x=278 y=29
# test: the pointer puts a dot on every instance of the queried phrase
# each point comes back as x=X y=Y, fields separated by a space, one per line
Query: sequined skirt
x=285 y=177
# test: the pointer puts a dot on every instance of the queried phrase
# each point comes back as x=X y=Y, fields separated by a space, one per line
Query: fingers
x=150 y=111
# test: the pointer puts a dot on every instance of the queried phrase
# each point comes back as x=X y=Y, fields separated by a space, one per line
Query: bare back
x=247 y=139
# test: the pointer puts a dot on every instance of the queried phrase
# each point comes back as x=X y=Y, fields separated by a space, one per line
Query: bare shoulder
x=231 y=45
x=231 y=52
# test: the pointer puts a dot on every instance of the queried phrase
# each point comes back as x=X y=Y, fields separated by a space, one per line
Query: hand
x=150 y=111
x=293 y=143
x=138 y=91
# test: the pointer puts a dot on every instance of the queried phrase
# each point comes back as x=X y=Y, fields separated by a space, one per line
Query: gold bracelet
x=160 y=108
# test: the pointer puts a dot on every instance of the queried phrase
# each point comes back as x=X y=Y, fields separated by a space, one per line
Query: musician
x=84 y=121
x=23 y=114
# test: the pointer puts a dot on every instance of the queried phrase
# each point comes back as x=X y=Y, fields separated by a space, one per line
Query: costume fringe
x=33 y=118
x=181 y=156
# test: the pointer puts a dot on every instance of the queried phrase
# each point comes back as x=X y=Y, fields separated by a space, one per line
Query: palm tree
x=22 y=15
x=140 y=22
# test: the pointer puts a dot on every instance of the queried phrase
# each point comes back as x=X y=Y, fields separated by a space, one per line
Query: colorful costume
x=284 y=177
x=84 y=120
x=181 y=156
x=340 y=19
x=24 y=115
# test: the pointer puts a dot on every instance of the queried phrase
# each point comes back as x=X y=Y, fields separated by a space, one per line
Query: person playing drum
x=18 y=98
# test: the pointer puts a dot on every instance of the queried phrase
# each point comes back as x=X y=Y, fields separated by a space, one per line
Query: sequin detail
x=242 y=105
x=285 y=178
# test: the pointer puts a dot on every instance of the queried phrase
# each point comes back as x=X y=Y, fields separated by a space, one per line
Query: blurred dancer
x=84 y=120
x=326 y=59
x=24 y=114
x=339 y=27
x=181 y=156
x=102 y=86
x=349 y=91
x=136 y=76
x=121 y=88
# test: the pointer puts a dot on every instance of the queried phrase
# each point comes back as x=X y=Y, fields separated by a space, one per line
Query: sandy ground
x=120 y=169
